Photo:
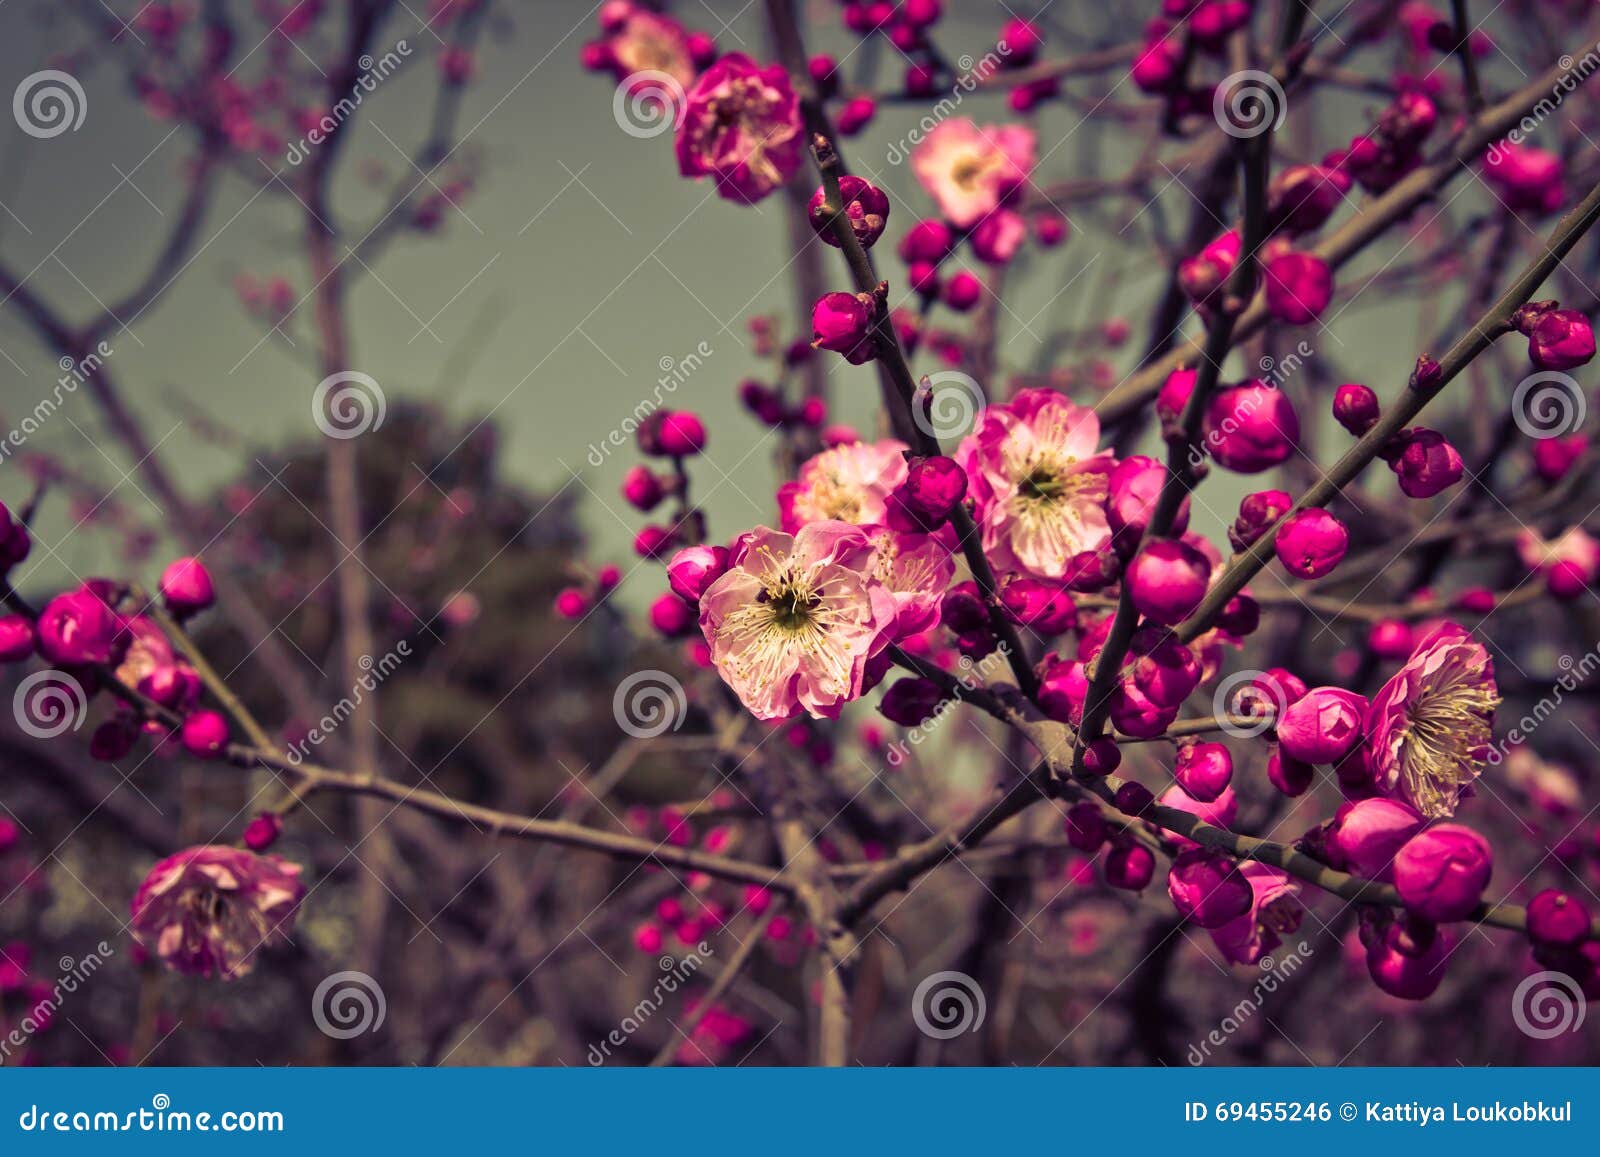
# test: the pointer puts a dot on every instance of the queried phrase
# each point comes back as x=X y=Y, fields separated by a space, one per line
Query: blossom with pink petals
x=1274 y=910
x=741 y=125
x=1038 y=481
x=849 y=483
x=969 y=170
x=208 y=910
x=915 y=569
x=1428 y=728
x=794 y=621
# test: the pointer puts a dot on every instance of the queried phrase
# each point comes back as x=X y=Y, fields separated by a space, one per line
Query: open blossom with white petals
x=849 y=483
x=970 y=169
x=794 y=620
x=208 y=911
x=1038 y=478
x=1429 y=728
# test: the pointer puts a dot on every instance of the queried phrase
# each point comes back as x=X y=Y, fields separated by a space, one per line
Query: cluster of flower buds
x=1378 y=159
x=1160 y=69
x=576 y=601
x=1558 y=339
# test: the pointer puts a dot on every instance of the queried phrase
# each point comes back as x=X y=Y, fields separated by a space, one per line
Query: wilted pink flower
x=849 y=483
x=1366 y=834
x=741 y=125
x=1208 y=889
x=1251 y=427
x=866 y=207
x=1441 y=873
x=1274 y=910
x=1311 y=543
x=1322 y=725
x=207 y=910
x=1428 y=728
x=794 y=621
x=969 y=170
x=1038 y=479
x=1299 y=287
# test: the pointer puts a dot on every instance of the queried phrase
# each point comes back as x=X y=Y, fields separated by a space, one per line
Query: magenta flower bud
x=1311 y=543
x=1129 y=865
x=856 y=115
x=1442 y=872
x=1299 y=287
x=694 y=568
x=963 y=291
x=866 y=207
x=1133 y=486
x=1174 y=396
x=842 y=322
x=1020 y=41
x=1063 y=688
x=1554 y=458
x=1135 y=713
x=930 y=241
x=1207 y=888
x=962 y=609
x=1101 y=756
x=1561 y=339
x=205 y=734
x=1424 y=461
x=113 y=739
x=1164 y=670
x=920 y=13
x=933 y=487
x=14 y=540
x=1089 y=571
x=824 y=71
x=1240 y=617
x=653 y=542
x=996 y=239
x=1251 y=428
x=1044 y=607
x=672 y=434
x=1215 y=20
x=1557 y=919
x=1086 y=827
x=1167 y=580
x=641 y=489
x=77 y=629
x=1355 y=407
x=672 y=617
x=572 y=603
x=1407 y=964
x=1134 y=799
x=1476 y=600
x=1289 y=775
x=1408 y=121
x=1525 y=178
x=186 y=586
x=1365 y=836
x=1203 y=274
x=1257 y=514
x=1204 y=771
x=16 y=638
x=1322 y=725
x=1303 y=197
x=1390 y=639
x=911 y=701
x=1156 y=68
x=263 y=831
